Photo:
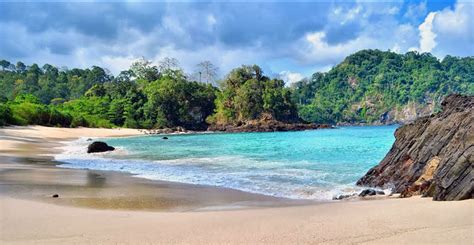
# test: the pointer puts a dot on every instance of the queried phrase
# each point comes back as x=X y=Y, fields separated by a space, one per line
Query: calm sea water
x=316 y=164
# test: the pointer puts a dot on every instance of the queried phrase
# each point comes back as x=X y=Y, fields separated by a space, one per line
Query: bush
x=79 y=121
x=27 y=113
x=5 y=115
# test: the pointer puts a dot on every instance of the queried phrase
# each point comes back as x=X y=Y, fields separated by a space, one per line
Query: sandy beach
x=110 y=208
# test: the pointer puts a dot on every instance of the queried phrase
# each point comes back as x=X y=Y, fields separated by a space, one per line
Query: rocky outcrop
x=432 y=156
x=99 y=146
x=175 y=130
x=265 y=123
x=266 y=126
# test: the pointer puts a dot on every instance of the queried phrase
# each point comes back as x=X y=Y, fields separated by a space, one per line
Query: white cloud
x=457 y=22
x=290 y=77
x=427 y=36
x=116 y=64
x=314 y=48
x=371 y=26
x=191 y=35
x=450 y=31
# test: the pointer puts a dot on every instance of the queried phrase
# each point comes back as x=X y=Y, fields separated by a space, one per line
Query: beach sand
x=116 y=208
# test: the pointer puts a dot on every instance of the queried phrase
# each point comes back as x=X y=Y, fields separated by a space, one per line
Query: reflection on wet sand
x=39 y=179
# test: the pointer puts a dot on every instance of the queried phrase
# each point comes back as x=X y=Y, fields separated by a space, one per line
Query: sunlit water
x=316 y=164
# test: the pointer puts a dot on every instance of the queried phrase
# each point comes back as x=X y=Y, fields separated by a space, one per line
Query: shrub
x=5 y=115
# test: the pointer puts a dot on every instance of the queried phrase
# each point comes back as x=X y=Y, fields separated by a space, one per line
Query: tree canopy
x=371 y=82
x=363 y=87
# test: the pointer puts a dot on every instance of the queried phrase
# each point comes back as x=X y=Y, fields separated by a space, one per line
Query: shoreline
x=110 y=207
x=80 y=188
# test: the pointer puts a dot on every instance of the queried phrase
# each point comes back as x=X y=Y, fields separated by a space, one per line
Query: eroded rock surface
x=433 y=156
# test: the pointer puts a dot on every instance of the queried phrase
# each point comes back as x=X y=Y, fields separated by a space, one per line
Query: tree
x=207 y=72
x=20 y=67
x=168 y=64
x=143 y=69
x=247 y=95
x=370 y=83
x=4 y=64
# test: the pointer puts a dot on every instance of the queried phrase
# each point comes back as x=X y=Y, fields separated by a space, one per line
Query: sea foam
x=318 y=172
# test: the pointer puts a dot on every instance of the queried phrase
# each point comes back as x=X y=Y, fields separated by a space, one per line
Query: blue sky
x=291 y=40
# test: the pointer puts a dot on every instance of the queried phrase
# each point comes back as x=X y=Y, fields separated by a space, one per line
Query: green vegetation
x=366 y=85
x=371 y=83
x=247 y=95
x=143 y=97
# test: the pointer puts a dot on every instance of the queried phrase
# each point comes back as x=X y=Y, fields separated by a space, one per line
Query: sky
x=290 y=40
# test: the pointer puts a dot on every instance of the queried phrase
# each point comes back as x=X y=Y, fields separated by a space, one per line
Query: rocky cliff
x=432 y=156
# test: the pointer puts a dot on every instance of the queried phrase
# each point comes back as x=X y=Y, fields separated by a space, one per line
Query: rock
x=89 y=139
x=165 y=138
x=367 y=192
x=99 y=146
x=371 y=192
x=342 y=197
x=432 y=156
x=55 y=195
x=266 y=126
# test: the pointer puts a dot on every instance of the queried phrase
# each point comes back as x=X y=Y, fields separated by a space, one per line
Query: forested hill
x=369 y=86
x=377 y=87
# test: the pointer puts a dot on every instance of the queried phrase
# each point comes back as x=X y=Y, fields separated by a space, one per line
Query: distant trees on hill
x=371 y=82
x=360 y=89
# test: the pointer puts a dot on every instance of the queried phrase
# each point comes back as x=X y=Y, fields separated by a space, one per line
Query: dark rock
x=89 y=139
x=367 y=192
x=380 y=193
x=342 y=197
x=266 y=126
x=55 y=196
x=165 y=138
x=99 y=146
x=433 y=156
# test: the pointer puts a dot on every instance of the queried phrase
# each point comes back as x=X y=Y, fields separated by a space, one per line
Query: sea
x=314 y=164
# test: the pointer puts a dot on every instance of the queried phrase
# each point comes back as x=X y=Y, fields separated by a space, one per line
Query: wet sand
x=28 y=171
x=110 y=208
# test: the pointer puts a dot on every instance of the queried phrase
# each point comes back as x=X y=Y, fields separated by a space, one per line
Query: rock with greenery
x=377 y=87
x=246 y=94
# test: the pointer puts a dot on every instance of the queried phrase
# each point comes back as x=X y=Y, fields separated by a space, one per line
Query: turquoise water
x=316 y=164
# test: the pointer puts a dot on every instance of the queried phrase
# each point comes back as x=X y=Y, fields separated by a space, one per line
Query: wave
x=272 y=178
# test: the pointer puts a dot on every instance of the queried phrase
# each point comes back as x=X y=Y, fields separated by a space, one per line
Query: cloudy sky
x=290 y=39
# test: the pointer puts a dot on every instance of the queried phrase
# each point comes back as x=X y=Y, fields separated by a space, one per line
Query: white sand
x=389 y=221
x=394 y=221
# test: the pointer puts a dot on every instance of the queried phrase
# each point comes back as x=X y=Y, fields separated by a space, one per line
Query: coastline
x=123 y=208
x=31 y=173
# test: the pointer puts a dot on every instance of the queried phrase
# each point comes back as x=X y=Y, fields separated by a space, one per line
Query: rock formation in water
x=266 y=123
x=99 y=146
x=432 y=156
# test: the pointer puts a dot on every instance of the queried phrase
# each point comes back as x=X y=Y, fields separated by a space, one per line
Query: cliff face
x=407 y=113
x=432 y=156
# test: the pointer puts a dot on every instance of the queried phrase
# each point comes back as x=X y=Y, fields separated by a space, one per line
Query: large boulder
x=432 y=156
x=99 y=146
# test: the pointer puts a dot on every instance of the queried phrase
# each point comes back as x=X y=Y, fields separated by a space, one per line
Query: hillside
x=369 y=86
x=377 y=87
